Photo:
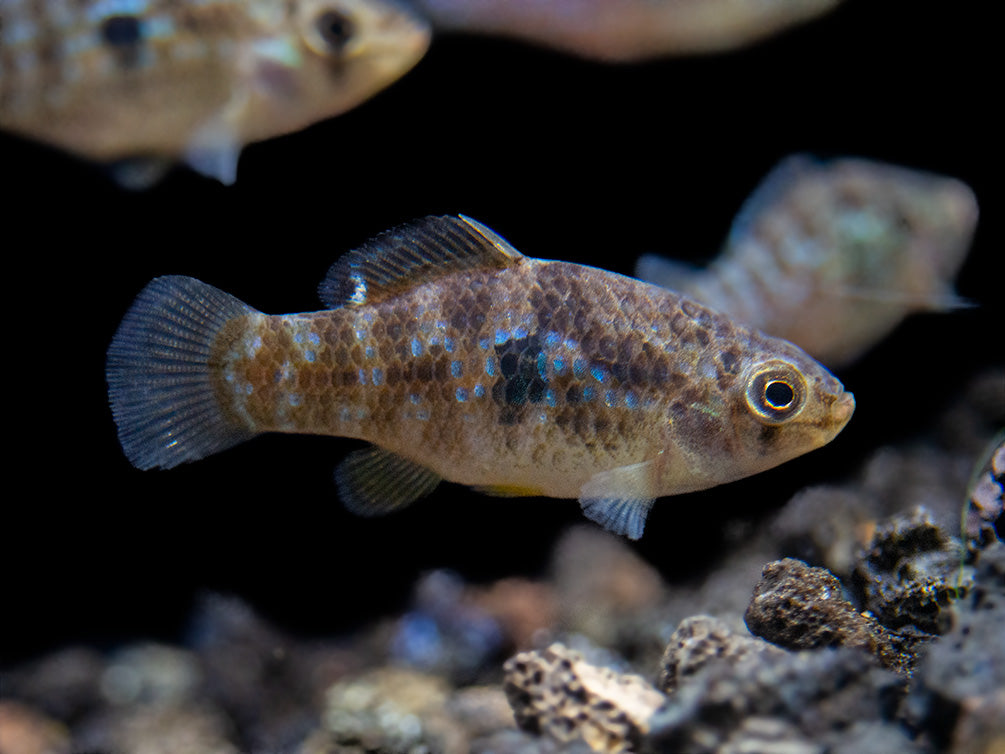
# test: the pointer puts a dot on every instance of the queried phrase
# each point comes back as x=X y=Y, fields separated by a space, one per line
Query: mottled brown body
x=461 y=375
x=459 y=358
x=833 y=255
x=110 y=79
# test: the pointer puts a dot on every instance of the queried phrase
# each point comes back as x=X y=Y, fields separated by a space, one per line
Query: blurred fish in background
x=625 y=30
x=147 y=83
x=833 y=255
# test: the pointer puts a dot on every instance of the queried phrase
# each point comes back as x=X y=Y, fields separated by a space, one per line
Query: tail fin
x=158 y=371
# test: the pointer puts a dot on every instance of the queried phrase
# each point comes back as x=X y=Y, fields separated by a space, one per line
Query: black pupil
x=335 y=29
x=778 y=394
x=121 y=31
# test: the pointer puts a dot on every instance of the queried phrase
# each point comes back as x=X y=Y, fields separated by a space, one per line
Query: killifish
x=624 y=30
x=456 y=357
x=833 y=255
x=193 y=80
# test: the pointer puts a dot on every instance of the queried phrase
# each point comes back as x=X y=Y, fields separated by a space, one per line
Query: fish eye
x=776 y=392
x=779 y=394
x=335 y=29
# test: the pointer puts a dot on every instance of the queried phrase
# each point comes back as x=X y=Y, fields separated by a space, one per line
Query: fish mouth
x=842 y=409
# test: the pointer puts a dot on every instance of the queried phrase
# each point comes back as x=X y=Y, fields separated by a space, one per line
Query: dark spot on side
x=424 y=369
x=573 y=394
x=508 y=364
x=124 y=35
x=121 y=31
x=730 y=362
x=516 y=391
x=535 y=391
x=701 y=335
x=519 y=382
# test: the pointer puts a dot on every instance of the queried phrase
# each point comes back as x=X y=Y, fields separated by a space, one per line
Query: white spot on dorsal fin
x=413 y=254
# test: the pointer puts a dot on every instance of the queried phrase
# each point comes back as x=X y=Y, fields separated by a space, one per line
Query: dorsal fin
x=412 y=254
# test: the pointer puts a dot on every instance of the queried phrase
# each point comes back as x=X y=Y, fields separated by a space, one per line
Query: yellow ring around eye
x=776 y=392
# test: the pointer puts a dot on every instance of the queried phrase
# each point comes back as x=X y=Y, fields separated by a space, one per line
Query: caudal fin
x=158 y=372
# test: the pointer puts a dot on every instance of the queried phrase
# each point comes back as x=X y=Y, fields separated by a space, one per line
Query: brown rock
x=799 y=607
x=555 y=692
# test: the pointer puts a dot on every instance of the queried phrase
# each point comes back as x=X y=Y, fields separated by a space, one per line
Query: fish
x=455 y=357
x=625 y=30
x=833 y=255
x=142 y=84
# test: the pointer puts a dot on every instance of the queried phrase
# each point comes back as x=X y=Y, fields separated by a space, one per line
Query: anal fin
x=373 y=481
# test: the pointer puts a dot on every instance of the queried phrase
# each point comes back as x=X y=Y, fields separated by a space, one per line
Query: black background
x=566 y=158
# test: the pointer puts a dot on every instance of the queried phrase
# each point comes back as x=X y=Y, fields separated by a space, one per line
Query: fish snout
x=842 y=409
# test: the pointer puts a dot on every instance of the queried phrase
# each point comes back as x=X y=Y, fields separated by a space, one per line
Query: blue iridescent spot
x=520 y=333
x=501 y=337
x=549 y=397
x=362 y=377
x=559 y=365
x=422 y=414
x=370 y=352
x=598 y=374
x=483 y=343
x=579 y=368
x=448 y=344
x=414 y=398
x=631 y=400
x=551 y=339
x=310 y=355
x=479 y=390
x=416 y=347
x=298 y=337
x=377 y=376
x=456 y=369
x=542 y=365
x=610 y=399
x=589 y=393
x=461 y=394
x=490 y=366
x=314 y=338
x=294 y=399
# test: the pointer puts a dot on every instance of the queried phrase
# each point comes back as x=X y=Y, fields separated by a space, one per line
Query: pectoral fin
x=373 y=481
x=620 y=499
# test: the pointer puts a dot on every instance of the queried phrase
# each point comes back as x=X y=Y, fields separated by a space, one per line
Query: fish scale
x=193 y=80
x=459 y=358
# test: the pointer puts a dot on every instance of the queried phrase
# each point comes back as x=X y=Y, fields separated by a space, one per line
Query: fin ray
x=158 y=372
x=373 y=481
x=412 y=254
x=619 y=499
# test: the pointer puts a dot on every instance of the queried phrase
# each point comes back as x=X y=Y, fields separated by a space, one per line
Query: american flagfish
x=626 y=30
x=459 y=358
x=149 y=82
x=833 y=255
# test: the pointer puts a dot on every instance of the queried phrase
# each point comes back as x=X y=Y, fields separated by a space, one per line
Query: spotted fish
x=624 y=30
x=833 y=255
x=147 y=82
x=459 y=358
